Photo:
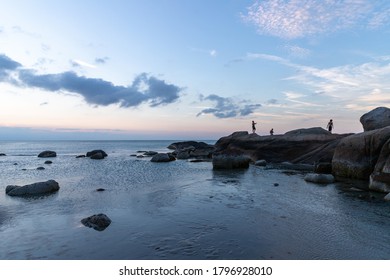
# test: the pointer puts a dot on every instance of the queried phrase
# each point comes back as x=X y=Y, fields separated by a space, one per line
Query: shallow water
x=180 y=210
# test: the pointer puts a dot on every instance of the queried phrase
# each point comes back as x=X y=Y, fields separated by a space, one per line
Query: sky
x=189 y=69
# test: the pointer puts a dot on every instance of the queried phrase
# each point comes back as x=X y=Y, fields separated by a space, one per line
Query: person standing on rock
x=253 y=126
x=330 y=126
x=271 y=131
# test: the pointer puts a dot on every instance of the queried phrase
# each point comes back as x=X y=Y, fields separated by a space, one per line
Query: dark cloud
x=144 y=89
x=6 y=66
x=101 y=60
x=227 y=108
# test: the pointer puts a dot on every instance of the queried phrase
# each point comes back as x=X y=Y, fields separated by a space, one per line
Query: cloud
x=144 y=89
x=227 y=108
x=292 y=19
x=80 y=63
x=296 y=51
x=101 y=60
x=363 y=85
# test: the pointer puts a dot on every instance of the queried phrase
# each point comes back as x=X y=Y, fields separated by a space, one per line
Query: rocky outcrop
x=162 y=157
x=380 y=178
x=376 y=119
x=47 y=154
x=298 y=146
x=33 y=189
x=97 y=154
x=356 y=155
x=191 y=150
x=98 y=222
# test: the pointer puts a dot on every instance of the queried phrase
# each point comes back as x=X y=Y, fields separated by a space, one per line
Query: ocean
x=179 y=210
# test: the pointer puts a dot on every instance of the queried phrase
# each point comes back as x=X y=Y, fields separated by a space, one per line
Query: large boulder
x=356 y=155
x=380 y=178
x=47 y=154
x=307 y=146
x=98 y=222
x=375 y=119
x=97 y=154
x=33 y=189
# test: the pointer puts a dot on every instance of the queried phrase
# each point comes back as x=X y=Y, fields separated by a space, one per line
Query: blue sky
x=180 y=69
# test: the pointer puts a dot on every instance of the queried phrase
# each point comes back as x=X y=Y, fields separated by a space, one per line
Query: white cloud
x=292 y=19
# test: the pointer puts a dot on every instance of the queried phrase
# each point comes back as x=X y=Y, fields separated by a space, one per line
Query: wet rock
x=48 y=162
x=47 y=154
x=96 y=154
x=375 y=119
x=161 y=157
x=230 y=161
x=33 y=189
x=319 y=178
x=98 y=222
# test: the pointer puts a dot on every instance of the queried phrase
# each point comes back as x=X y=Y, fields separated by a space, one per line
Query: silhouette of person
x=271 y=131
x=330 y=125
x=253 y=126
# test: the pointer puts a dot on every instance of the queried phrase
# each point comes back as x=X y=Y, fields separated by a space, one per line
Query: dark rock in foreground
x=98 y=222
x=47 y=154
x=97 y=154
x=33 y=189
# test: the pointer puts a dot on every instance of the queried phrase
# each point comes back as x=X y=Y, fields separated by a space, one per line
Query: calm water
x=179 y=210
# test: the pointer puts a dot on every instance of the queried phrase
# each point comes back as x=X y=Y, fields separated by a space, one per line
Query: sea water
x=180 y=209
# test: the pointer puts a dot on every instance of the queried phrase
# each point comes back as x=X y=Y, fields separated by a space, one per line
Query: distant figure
x=330 y=126
x=271 y=131
x=253 y=126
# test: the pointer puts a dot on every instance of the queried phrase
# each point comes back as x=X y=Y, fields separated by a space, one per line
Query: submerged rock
x=98 y=222
x=47 y=154
x=33 y=189
x=319 y=178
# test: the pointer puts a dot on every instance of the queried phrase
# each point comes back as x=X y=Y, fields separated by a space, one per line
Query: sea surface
x=179 y=210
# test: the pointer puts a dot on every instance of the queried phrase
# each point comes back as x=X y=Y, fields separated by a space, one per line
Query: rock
x=33 y=189
x=41 y=168
x=387 y=197
x=356 y=156
x=161 y=157
x=375 y=119
x=150 y=153
x=98 y=222
x=230 y=161
x=47 y=154
x=276 y=184
x=261 y=162
x=94 y=152
x=100 y=190
x=2 y=155
x=80 y=156
x=140 y=156
x=48 y=162
x=133 y=155
x=185 y=144
x=319 y=178
x=97 y=156
x=183 y=154
x=306 y=146
x=192 y=149
x=323 y=168
x=380 y=178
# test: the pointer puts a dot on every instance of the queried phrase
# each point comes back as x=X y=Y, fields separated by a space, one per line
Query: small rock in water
x=80 y=156
x=46 y=154
x=276 y=184
x=319 y=178
x=33 y=189
x=98 y=222
x=100 y=190
x=48 y=162
x=15 y=163
x=41 y=168
x=2 y=155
